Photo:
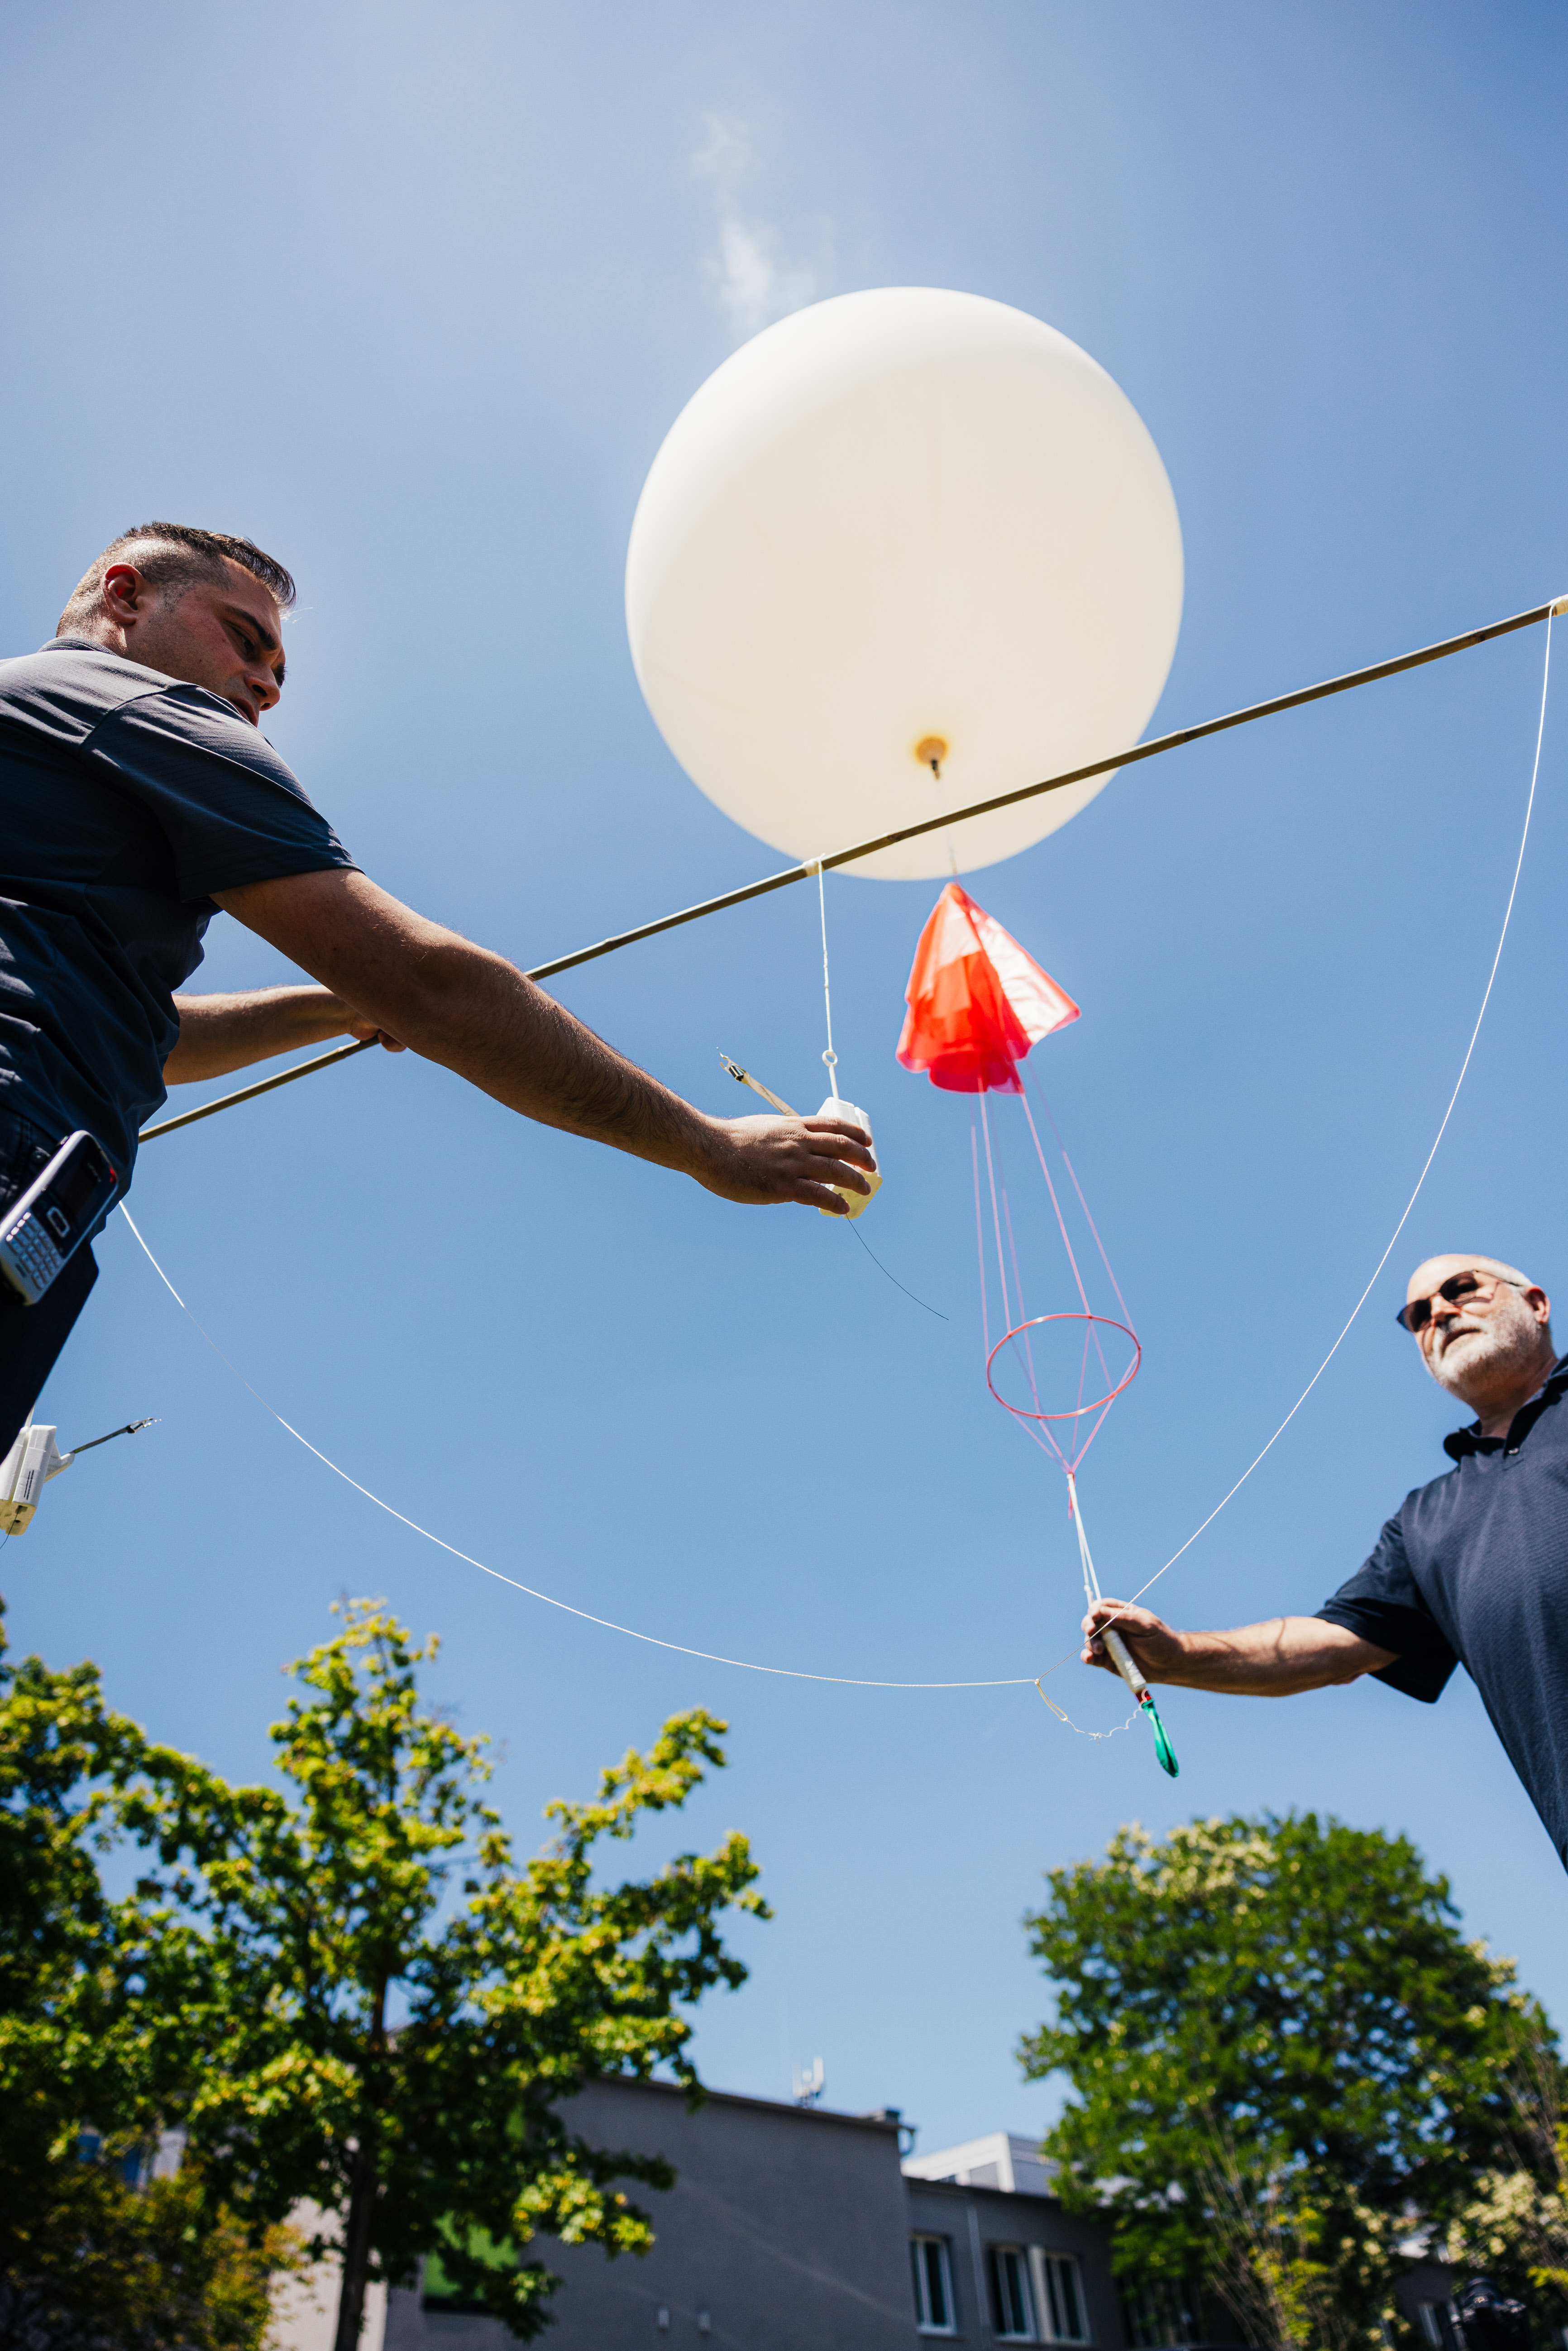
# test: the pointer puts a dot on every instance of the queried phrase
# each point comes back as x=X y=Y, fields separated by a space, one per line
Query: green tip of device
x=1165 y=1752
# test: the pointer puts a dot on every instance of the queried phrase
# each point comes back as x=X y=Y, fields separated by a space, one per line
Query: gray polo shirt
x=1472 y=1569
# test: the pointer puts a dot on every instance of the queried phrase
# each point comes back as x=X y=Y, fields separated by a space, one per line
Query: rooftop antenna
x=808 y=2082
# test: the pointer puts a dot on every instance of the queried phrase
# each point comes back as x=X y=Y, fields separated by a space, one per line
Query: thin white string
x=787 y=1673
x=1411 y=1203
x=1067 y=1722
x=829 y=1056
x=1092 y=1592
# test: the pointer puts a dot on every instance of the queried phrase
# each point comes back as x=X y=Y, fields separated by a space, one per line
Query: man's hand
x=478 y=1014
x=1156 y=1650
x=1274 y=1660
x=800 y=1159
x=365 y=1033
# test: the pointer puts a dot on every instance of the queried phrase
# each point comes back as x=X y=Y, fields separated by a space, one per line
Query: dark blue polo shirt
x=125 y=800
x=1473 y=1571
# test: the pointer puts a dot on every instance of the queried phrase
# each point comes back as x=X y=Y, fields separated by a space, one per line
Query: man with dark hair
x=1471 y=1570
x=169 y=555
x=137 y=798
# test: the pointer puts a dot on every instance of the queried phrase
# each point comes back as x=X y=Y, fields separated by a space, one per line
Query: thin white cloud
x=727 y=152
x=754 y=282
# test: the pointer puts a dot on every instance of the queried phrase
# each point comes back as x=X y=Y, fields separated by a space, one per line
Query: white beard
x=1506 y=1341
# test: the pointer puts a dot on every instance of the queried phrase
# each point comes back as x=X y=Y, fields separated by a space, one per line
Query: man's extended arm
x=222 y=1032
x=1274 y=1660
x=475 y=1013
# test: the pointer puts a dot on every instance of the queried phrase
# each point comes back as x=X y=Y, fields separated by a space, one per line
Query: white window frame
x=996 y=2255
x=925 y=2323
x=1045 y=2296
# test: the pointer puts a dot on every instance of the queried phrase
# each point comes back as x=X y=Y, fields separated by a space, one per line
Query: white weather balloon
x=900 y=526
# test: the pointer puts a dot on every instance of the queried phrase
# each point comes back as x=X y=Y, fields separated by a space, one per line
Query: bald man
x=1472 y=1569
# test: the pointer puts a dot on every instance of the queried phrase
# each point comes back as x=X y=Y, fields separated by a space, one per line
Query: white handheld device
x=33 y=1460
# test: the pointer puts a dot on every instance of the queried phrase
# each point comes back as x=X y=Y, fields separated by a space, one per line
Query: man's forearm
x=222 y=1032
x=476 y=1014
x=1272 y=1659
x=482 y=1017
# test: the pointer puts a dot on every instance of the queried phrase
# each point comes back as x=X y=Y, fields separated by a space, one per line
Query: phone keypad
x=34 y=1251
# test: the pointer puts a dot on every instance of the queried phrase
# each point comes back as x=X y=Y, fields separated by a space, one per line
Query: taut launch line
x=806 y=872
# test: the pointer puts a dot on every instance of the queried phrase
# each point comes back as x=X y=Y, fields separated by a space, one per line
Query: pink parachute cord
x=1040 y=1434
x=981 y=1242
x=1092 y=1329
x=1082 y=1203
x=1093 y=1433
x=995 y=1219
x=1037 y=1435
x=1023 y=1310
x=1060 y=1220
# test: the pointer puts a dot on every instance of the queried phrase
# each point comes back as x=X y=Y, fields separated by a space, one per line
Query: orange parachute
x=976 y=1001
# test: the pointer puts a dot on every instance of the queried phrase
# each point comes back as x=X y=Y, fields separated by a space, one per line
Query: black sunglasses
x=1418 y=1313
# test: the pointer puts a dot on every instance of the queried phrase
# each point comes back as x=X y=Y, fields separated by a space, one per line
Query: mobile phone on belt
x=44 y=1227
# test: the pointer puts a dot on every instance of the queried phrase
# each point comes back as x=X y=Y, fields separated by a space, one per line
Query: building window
x=1012 y=2305
x=1061 y=2295
x=933 y=2285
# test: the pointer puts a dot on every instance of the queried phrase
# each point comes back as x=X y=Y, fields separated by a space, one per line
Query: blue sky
x=411 y=296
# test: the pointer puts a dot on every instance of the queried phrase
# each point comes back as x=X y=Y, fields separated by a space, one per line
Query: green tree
x=58 y=1744
x=1515 y=2227
x=116 y=2265
x=1281 y=2053
x=336 y=2030
x=86 y=2258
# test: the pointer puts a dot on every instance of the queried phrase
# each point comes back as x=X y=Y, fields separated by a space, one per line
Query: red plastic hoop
x=1079 y=1412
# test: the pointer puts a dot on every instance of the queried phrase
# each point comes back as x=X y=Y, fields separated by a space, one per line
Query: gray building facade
x=796 y=2229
